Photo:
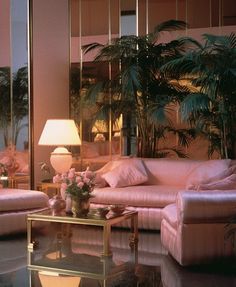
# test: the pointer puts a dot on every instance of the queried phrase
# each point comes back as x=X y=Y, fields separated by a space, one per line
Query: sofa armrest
x=206 y=206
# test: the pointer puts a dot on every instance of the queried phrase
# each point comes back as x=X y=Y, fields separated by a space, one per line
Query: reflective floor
x=76 y=261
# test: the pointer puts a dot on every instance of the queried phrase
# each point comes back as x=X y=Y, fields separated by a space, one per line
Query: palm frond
x=170 y=25
x=193 y=104
x=90 y=47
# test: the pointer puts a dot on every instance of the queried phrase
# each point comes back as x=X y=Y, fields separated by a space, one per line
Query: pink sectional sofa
x=149 y=185
x=15 y=204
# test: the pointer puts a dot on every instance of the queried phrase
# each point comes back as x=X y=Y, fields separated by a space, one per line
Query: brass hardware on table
x=33 y=245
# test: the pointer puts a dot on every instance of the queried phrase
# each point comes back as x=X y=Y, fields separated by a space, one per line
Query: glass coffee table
x=90 y=220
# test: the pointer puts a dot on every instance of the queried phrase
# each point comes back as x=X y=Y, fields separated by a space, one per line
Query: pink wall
x=50 y=70
x=5 y=59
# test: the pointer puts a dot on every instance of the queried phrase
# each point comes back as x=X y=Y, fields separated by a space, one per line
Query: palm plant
x=13 y=108
x=211 y=69
x=138 y=89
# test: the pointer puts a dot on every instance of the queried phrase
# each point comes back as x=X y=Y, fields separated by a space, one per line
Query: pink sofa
x=148 y=185
x=15 y=204
x=193 y=229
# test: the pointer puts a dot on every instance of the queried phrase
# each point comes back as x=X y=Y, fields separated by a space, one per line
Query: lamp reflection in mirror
x=60 y=133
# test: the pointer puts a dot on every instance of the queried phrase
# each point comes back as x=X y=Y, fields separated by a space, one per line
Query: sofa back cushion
x=169 y=171
x=207 y=172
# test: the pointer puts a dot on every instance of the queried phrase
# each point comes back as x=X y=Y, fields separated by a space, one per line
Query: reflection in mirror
x=100 y=138
x=14 y=152
x=101 y=21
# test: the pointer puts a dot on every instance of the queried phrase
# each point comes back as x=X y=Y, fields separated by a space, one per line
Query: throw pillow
x=129 y=172
x=206 y=172
x=224 y=184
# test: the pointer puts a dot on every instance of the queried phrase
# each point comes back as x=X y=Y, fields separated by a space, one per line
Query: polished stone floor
x=61 y=261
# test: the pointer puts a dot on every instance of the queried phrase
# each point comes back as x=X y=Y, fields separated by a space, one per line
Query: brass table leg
x=106 y=241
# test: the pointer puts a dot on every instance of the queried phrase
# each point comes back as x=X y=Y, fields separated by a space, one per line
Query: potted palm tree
x=138 y=90
x=211 y=105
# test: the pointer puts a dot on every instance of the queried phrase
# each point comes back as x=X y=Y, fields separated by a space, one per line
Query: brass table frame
x=105 y=223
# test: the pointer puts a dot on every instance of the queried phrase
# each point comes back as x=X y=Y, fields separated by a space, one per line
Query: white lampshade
x=60 y=132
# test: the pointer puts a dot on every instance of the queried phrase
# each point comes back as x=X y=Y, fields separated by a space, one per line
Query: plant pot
x=80 y=207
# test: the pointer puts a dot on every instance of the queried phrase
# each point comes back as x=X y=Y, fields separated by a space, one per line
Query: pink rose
x=80 y=184
x=71 y=173
x=78 y=179
x=86 y=180
x=89 y=174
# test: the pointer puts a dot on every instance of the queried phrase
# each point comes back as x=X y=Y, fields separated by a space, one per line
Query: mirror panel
x=101 y=21
x=14 y=100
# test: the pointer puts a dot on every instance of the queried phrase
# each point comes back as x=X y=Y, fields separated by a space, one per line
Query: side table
x=49 y=188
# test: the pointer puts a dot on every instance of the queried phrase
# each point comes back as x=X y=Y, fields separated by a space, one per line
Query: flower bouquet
x=78 y=186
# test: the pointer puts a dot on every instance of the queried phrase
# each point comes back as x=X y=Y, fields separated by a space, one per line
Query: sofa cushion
x=223 y=184
x=129 y=172
x=169 y=171
x=19 y=199
x=141 y=195
x=206 y=171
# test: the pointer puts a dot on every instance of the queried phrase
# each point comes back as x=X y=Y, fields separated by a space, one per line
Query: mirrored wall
x=14 y=95
x=105 y=136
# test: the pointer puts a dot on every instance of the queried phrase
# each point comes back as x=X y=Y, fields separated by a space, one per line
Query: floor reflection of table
x=90 y=220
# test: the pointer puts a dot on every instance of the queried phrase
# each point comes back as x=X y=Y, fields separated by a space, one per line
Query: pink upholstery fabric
x=17 y=199
x=205 y=171
x=201 y=219
x=129 y=172
x=140 y=195
x=170 y=215
x=200 y=207
x=166 y=177
x=169 y=171
x=195 y=243
x=223 y=184
x=14 y=222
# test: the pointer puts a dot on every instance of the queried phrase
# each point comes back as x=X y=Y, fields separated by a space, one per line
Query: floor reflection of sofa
x=90 y=241
x=174 y=275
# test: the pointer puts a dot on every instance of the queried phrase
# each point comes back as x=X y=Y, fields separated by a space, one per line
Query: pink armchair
x=193 y=229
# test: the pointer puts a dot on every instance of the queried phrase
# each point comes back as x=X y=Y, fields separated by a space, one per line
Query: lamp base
x=61 y=159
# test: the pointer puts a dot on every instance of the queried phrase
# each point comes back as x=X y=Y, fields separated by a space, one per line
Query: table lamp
x=60 y=133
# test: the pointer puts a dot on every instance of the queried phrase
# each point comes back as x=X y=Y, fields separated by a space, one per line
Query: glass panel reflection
x=102 y=140
x=14 y=152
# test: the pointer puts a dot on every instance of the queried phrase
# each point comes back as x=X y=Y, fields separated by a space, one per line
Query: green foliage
x=211 y=69
x=139 y=90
